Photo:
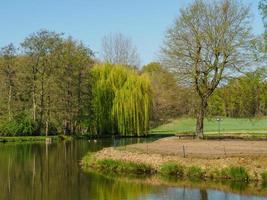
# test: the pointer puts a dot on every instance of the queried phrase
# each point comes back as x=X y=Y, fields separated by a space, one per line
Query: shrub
x=235 y=173
x=124 y=166
x=264 y=176
x=172 y=169
x=138 y=168
x=20 y=125
x=87 y=160
x=195 y=172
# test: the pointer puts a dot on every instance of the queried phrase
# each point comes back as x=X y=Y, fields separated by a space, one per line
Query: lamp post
x=219 y=119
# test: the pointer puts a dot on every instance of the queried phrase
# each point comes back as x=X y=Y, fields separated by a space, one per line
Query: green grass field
x=211 y=126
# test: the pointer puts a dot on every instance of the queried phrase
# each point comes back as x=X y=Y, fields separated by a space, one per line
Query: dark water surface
x=51 y=172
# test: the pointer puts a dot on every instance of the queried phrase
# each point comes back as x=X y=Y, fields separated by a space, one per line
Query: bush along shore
x=109 y=160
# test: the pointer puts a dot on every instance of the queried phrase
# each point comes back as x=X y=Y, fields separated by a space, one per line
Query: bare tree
x=207 y=42
x=118 y=49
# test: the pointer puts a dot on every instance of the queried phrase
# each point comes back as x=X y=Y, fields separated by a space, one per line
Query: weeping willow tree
x=121 y=100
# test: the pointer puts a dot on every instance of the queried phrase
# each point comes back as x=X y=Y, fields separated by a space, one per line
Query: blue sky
x=145 y=21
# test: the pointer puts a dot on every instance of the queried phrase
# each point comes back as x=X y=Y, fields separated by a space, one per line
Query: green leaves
x=121 y=100
x=20 y=126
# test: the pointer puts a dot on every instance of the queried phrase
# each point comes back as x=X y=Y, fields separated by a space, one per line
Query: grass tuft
x=87 y=160
x=172 y=169
x=235 y=173
x=264 y=176
x=195 y=172
x=111 y=165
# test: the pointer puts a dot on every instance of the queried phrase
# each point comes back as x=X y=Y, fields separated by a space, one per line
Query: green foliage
x=264 y=176
x=87 y=160
x=121 y=100
x=138 y=168
x=244 y=96
x=195 y=172
x=172 y=169
x=170 y=100
x=216 y=105
x=50 y=80
x=235 y=173
x=109 y=164
x=119 y=166
x=19 y=126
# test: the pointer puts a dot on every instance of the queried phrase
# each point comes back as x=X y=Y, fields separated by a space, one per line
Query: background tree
x=170 y=100
x=8 y=75
x=259 y=43
x=263 y=9
x=243 y=96
x=119 y=49
x=47 y=88
x=41 y=47
x=263 y=43
x=73 y=82
x=208 y=39
x=121 y=100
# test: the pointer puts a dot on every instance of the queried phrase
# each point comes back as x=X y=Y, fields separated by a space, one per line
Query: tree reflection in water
x=52 y=171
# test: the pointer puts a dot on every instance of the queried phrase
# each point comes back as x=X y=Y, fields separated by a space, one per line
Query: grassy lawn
x=211 y=126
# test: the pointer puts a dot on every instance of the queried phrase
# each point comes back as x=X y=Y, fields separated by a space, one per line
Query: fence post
x=224 y=150
x=184 y=151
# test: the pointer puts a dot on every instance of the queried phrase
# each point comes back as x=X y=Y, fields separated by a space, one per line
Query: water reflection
x=50 y=172
x=195 y=194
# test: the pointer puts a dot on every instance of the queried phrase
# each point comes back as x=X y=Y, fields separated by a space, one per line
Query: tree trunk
x=200 y=118
x=46 y=128
x=9 y=102
x=33 y=106
x=34 y=94
x=42 y=104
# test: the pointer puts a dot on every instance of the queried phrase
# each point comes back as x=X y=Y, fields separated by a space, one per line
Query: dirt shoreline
x=209 y=155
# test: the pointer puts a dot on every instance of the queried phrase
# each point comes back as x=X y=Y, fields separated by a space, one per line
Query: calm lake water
x=51 y=172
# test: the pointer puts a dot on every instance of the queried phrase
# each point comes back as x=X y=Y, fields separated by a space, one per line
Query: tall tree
x=208 y=40
x=74 y=83
x=47 y=88
x=7 y=70
x=121 y=100
x=119 y=49
x=40 y=47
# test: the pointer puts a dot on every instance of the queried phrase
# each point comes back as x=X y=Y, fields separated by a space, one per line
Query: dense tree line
x=53 y=85
x=240 y=96
x=45 y=85
x=243 y=96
